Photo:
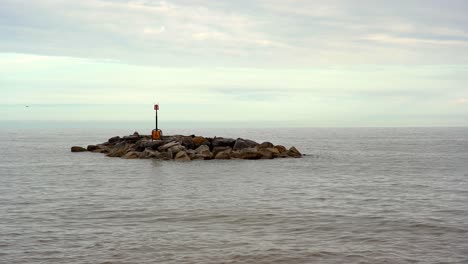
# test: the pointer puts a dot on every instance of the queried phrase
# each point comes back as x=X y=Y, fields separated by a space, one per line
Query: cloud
x=462 y=101
x=260 y=33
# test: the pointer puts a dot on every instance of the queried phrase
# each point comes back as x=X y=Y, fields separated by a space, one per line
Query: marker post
x=156 y=134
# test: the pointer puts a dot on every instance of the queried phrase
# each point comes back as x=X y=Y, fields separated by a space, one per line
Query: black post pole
x=156 y=120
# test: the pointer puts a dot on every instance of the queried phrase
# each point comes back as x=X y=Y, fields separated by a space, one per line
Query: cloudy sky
x=305 y=62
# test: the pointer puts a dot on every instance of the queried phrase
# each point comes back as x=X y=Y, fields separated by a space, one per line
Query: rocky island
x=186 y=148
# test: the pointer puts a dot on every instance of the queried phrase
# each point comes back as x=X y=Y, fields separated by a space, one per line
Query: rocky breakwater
x=186 y=148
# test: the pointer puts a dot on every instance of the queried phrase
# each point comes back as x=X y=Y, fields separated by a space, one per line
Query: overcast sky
x=312 y=63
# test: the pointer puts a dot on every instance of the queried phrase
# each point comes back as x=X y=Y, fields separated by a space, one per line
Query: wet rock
x=179 y=147
x=131 y=155
x=293 y=152
x=266 y=145
x=78 y=149
x=149 y=153
x=216 y=150
x=182 y=156
x=176 y=149
x=281 y=148
x=269 y=153
x=131 y=139
x=187 y=142
x=226 y=154
x=113 y=139
x=119 y=150
x=168 y=145
x=92 y=147
x=244 y=143
x=198 y=141
x=223 y=142
x=164 y=155
x=155 y=144
x=250 y=153
x=204 y=151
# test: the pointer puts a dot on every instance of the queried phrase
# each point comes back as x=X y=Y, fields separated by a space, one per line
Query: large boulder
x=176 y=149
x=281 y=148
x=269 y=153
x=78 y=149
x=168 y=145
x=101 y=148
x=92 y=147
x=187 y=142
x=113 y=140
x=250 y=153
x=223 y=142
x=140 y=145
x=204 y=151
x=154 y=144
x=131 y=155
x=244 y=143
x=132 y=138
x=149 y=154
x=119 y=150
x=182 y=156
x=266 y=145
x=216 y=150
x=198 y=141
x=164 y=155
x=226 y=154
x=293 y=152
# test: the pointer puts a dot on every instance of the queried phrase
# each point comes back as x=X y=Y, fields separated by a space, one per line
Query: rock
x=164 y=155
x=77 y=149
x=131 y=139
x=250 y=153
x=204 y=151
x=198 y=141
x=235 y=154
x=182 y=156
x=101 y=148
x=119 y=150
x=131 y=155
x=191 y=153
x=216 y=150
x=293 y=152
x=149 y=153
x=224 y=154
x=269 y=153
x=113 y=139
x=187 y=142
x=265 y=154
x=281 y=148
x=92 y=147
x=140 y=145
x=176 y=149
x=155 y=144
x=265 y=145
x=223 y=142
x=168 y=145
x=244 y=143
x=180 y=147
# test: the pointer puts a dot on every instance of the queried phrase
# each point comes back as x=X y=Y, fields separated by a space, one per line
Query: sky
x=284 y=62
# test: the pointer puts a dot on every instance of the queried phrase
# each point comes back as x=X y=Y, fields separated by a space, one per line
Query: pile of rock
x=186 y=148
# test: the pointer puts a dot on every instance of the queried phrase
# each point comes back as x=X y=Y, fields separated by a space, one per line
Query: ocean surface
x=361 y=195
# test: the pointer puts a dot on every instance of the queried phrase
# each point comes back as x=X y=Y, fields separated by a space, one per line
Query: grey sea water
x=361 y=195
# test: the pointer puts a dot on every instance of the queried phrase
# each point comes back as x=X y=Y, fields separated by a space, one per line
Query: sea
x=359 y=195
